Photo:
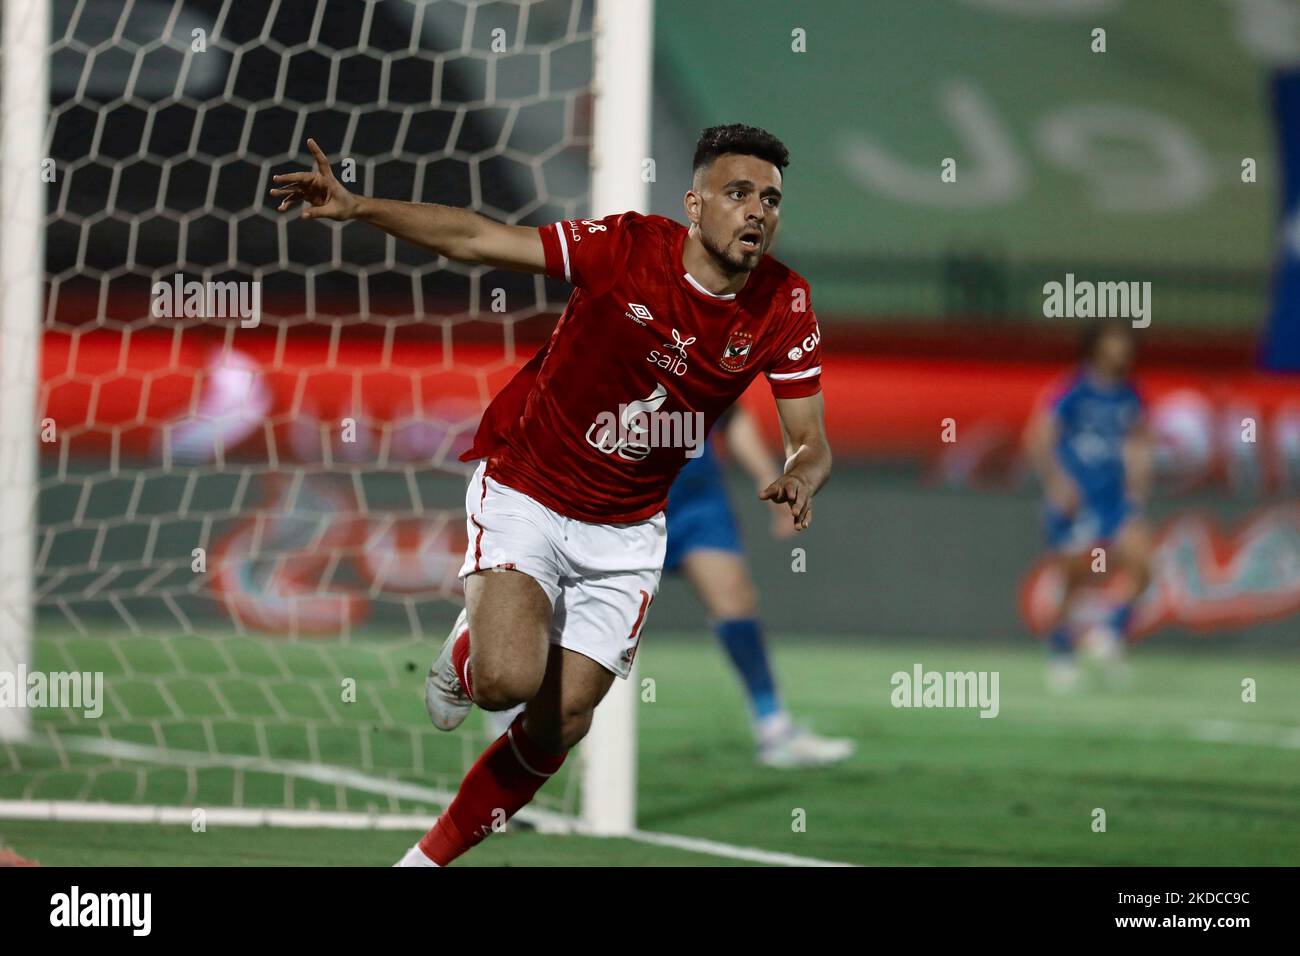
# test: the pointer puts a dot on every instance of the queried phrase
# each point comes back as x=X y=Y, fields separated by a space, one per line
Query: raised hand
x=323 y=194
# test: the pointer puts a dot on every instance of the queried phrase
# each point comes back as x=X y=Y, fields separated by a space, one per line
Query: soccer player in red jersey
x=666 y=327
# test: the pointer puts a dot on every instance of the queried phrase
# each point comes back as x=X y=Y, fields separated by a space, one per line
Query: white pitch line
x=73 y=811
x=546 y=821
x=1235 y=732
x=728 y=850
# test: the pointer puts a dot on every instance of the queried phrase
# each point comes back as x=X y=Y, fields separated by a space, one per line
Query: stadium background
x=1123 y=165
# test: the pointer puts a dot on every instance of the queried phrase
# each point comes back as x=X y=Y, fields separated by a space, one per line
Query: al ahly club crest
x=736 y=354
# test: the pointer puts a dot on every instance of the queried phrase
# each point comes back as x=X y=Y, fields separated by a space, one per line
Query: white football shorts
x=600 y=578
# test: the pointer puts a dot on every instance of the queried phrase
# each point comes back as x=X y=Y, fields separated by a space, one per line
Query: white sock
x=415 y=857
x=773 y=727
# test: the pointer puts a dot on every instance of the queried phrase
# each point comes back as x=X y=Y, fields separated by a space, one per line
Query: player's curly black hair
x=739 y=138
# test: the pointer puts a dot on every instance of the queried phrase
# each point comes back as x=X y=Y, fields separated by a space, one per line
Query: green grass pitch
x=1186 y=773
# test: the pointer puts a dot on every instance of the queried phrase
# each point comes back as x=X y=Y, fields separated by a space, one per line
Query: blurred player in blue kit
x=1091 y=447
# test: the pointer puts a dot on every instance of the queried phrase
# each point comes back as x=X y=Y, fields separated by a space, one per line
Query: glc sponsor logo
x=807 y=345
x=813 y=340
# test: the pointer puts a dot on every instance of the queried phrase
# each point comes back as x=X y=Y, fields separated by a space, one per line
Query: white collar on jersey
x=713 y=295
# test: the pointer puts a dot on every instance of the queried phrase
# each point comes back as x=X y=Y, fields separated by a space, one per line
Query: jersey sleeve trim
x=800 y=389
x=556 y=248
x=792 y=376
x=564 y=250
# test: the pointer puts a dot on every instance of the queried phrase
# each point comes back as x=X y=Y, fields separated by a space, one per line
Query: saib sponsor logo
x=673 y=358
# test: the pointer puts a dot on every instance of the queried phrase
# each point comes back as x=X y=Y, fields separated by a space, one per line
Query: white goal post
x=620 y=146
x=24 y=99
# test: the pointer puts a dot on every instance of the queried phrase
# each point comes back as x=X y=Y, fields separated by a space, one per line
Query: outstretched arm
x=455 y=233
x=808 y=465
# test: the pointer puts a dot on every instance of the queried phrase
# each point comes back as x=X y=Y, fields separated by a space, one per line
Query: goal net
x=248 y=504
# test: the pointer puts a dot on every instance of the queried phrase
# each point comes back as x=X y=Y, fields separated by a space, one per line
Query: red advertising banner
x=287 y=389
x=289 y=394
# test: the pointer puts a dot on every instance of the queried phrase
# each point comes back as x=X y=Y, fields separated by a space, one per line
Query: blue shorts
x=1094 y=523
x=700 y=520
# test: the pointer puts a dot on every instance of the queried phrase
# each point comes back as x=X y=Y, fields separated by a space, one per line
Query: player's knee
x=564 y=733
x=498 y=686
x=1136 y=564
x=1077 y=570
x=574 y=725
x=747 y=601
x=1141 y=574
x=738 y=600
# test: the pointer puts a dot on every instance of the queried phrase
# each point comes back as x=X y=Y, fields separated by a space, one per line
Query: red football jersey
x=640 y=365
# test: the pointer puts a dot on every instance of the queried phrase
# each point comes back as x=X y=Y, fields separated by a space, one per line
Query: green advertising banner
x=1001 y=143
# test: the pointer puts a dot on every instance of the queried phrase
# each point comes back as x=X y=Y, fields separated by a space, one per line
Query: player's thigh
x=1075 y=568
x=604 y=602
x=722 y=582
x=1133 y=545
x=602 y=616
x=602 y=607
x=509 y=626
x=560 y=713
x=511 y=574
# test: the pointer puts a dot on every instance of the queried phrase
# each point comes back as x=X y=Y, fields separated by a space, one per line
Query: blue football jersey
x=1093 y=422
x=699 y=476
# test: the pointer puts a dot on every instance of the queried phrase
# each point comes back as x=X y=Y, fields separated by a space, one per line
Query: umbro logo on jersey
x=736 y=353
x=639 y=314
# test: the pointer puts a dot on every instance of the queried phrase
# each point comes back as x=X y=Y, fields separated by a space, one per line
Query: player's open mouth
x=751 y=240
